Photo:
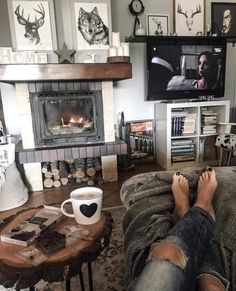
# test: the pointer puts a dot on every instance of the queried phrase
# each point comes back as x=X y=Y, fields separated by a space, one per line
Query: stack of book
x=189 y=124
x=182 y=150
x=177 y=118
x=209 y=121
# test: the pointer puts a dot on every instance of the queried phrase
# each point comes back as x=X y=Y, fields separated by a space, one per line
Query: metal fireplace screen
x=67 y=118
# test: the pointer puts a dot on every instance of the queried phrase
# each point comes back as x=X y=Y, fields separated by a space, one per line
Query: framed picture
x=91 y=24
x=157 y=24
x=32 y=25
x=223 y=18
x=189 y=17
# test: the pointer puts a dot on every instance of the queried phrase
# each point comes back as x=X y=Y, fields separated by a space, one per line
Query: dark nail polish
x=209 y=169
x=177 y=173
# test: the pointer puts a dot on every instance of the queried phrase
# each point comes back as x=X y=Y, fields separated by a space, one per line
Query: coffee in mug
x=86 y=204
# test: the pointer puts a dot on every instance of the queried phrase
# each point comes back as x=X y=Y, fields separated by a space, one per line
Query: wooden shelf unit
x=164 y=138
x=43 y=72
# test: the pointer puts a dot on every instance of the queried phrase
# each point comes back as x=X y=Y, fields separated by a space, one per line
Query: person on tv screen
x=207 y=74
x=207 y=71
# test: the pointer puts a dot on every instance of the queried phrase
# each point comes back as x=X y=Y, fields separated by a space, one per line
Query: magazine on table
x=24 y=232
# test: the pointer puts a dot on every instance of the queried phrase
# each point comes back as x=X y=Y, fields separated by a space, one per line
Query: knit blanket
x=149 y=201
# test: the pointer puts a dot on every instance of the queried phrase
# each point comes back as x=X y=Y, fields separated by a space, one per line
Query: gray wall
x=129 y=94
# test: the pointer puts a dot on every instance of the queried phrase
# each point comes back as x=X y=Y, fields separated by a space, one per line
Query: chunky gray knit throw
x=149 y=201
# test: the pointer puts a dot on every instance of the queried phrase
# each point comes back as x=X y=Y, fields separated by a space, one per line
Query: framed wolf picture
x=189 y=17
x=91 y=24
x=32 y=25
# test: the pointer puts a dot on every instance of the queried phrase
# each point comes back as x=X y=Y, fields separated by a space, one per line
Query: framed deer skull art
x=189 y=17
x=32 y=25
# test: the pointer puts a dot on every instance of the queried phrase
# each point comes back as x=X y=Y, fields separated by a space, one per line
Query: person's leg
x=173 y=262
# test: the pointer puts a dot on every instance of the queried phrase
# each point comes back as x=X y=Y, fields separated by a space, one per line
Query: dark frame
x=217 y=12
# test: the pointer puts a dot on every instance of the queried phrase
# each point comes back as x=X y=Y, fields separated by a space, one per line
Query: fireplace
x=67 y=118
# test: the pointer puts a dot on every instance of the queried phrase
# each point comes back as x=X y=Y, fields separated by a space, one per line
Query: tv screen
x=185 y=67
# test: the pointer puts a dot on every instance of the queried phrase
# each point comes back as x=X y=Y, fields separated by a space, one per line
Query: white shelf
x=163 y=136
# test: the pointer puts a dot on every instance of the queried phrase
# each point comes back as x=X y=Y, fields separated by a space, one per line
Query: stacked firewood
x=77 y=171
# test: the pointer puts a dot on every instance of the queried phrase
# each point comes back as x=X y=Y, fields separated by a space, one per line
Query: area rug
x=109 y=268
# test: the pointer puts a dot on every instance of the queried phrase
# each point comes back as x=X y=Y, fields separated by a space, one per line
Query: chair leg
x=81 y=278
x=229 y=158
x=221 y=157
x=90 y=275
x=67 y=284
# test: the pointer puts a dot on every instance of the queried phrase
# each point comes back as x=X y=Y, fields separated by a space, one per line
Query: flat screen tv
x=185 y=67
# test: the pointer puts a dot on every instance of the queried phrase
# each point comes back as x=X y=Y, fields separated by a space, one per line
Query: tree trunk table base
x=59 y=266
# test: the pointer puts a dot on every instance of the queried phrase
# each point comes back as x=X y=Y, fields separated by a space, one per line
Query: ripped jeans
x=191 y=235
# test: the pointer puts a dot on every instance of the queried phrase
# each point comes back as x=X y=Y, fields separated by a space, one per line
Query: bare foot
x=180 y=189
x=207 y=185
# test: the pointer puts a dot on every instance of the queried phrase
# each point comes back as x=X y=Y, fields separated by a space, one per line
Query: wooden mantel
x=46 y=72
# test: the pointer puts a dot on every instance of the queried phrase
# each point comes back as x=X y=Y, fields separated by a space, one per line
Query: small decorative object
x=32 y=24
x=91 y=59
x=3 y=139
x=112 y=51
x=157 y=24
x=223 y=16
x=65 y=55
x=91 y=24
x=140 y=30
x=125 y=45
x=189 y=17
x=115 y=39
x=136 y=8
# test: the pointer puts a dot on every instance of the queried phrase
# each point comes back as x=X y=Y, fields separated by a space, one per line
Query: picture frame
x=100 y=37
x=223 y=16
x=157 y=24
x=41 y=34
x=189 y=17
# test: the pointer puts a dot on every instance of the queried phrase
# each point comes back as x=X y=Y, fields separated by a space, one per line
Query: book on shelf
x=25 y=231
x=183 y=141
x=177 y=159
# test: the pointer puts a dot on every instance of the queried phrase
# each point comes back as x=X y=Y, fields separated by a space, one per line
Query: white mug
x=86 y=204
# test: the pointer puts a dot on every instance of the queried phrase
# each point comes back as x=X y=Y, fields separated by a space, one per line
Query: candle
x=120 y=51
x=208 y=27
x=112 y=51
x=115 y=39
x=125 y=46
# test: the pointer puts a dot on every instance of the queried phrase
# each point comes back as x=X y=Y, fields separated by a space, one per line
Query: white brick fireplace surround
x=31 y=157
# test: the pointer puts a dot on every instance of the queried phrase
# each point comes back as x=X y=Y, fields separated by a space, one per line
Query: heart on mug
x=88 y=210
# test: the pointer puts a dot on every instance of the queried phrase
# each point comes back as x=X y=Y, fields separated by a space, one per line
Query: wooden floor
x=111 y=191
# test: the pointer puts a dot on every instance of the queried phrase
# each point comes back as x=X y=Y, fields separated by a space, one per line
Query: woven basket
x=13 y=192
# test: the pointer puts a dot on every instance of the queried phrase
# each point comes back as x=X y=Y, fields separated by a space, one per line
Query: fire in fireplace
x=67 y=117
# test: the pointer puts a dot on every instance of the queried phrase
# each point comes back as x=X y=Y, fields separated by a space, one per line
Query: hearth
x=67 y=118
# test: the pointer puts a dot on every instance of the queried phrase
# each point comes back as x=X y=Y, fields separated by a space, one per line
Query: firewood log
x=91 y=181
x=48 y=175
x=57 y=184
x=90 y=170
x=64 y=181
x=79 y=168
x=63 y=169
x=97 y=164
x=54 y=168
x=99 y=179
x=48 y=183
x=45 y=167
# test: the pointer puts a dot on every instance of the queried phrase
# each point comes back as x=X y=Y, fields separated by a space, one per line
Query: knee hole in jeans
x=208 y=282
x=167 y=250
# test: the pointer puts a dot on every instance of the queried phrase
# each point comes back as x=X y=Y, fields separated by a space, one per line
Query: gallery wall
x=129 y=94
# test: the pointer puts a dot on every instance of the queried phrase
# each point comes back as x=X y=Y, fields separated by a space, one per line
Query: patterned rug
x=108 y=270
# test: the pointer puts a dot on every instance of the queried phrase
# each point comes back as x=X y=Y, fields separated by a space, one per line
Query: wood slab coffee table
x=61 y=265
